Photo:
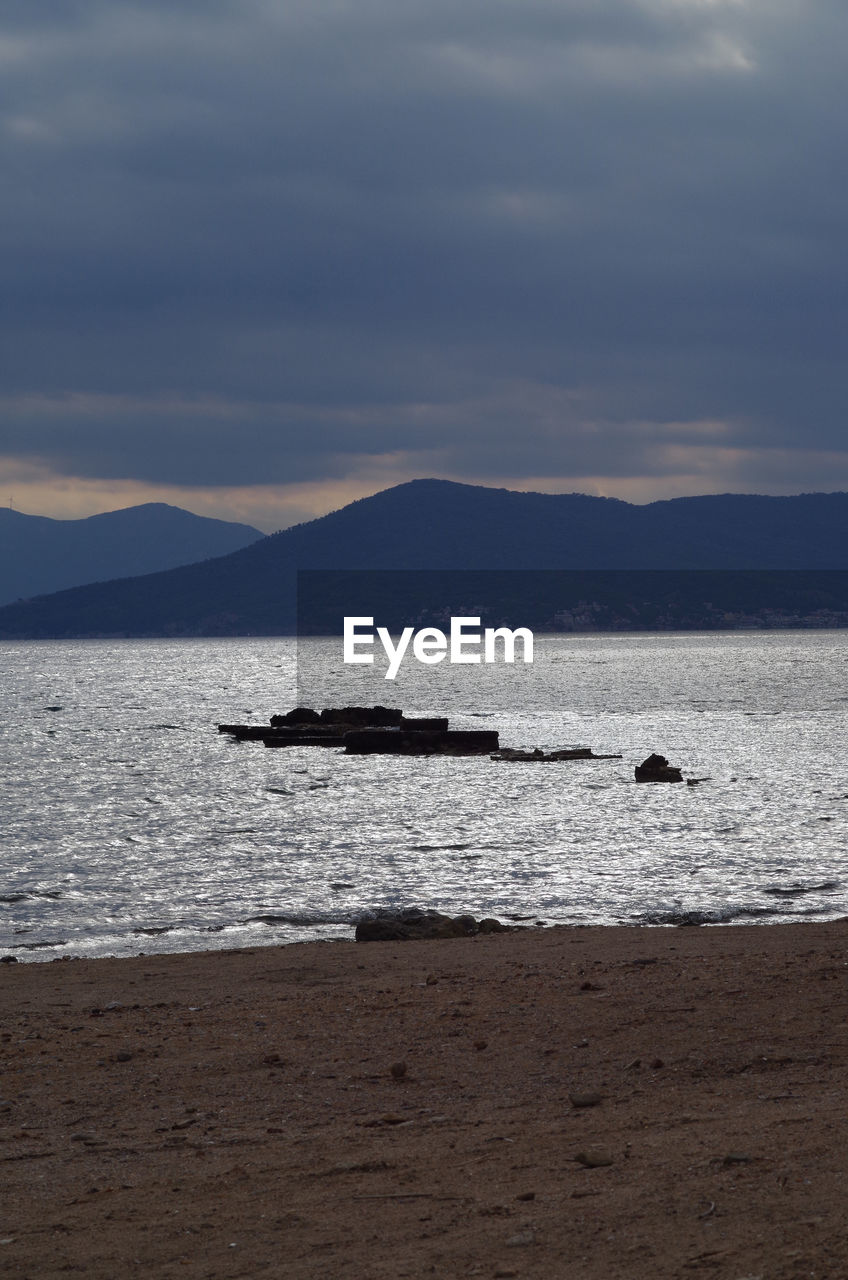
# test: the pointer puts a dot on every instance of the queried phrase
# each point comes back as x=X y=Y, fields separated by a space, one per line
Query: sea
x=130 y=825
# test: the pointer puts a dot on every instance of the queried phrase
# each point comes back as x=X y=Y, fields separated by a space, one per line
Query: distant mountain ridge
x=440 y=525
x=40 y=555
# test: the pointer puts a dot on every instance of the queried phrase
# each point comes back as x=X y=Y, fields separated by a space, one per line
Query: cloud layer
x=294 y=242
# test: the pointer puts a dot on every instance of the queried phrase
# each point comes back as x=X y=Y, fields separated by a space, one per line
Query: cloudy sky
x=260 y=257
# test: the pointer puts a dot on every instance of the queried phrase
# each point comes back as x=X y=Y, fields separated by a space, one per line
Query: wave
x=716 y=915
x=303 y=918
x=796 y=890
x=38 y=946
x=21 y=895
x=440 y=848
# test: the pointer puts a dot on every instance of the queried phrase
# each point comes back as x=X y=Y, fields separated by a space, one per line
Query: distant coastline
x=423 y=551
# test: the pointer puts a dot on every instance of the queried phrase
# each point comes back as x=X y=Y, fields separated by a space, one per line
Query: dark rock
x=592 y=1098
x=373 y=717
x=439 y=723
x=594 y=1158
x=300 y=715
x=318 y=735
x=421 y=742
x=8 y=959
x=414 y=924
x=568 y=753
x=657 y=769
x=490 y=925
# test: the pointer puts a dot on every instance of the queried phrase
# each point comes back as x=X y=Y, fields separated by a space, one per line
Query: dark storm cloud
x=257 y=241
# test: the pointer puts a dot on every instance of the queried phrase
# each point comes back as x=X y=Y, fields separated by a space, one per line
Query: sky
x=261 y=257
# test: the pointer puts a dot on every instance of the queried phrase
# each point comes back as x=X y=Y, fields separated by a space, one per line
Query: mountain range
x=40 y=555
x=701 y=561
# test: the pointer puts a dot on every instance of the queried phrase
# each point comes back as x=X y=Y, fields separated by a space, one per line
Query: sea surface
x=128 y=824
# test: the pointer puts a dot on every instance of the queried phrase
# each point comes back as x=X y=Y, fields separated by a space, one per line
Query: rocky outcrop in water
x=657 y=769
x=421 y=742
x=299 y=715
x=387 y=731
x=364 y=717
x=570 y=753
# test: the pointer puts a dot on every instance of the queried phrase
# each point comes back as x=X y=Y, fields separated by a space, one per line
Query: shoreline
x=685 y=920
x=596 y=1101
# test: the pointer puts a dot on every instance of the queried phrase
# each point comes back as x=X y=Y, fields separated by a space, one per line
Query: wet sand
x=237 y=1114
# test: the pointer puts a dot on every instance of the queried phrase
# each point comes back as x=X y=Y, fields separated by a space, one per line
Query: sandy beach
x=564 y=1102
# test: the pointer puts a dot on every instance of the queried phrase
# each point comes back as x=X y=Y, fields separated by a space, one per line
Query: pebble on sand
x=591 y=1098
x=594 y=1158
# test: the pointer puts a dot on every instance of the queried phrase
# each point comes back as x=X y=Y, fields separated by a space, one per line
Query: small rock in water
x=657 y=769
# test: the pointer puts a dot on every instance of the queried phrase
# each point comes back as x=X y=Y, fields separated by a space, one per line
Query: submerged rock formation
x=568 y=753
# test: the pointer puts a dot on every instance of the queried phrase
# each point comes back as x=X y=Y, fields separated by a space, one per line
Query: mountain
x=442 y=526
x=39 y=555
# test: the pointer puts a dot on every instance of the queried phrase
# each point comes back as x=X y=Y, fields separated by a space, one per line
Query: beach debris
x=414 y=924
x=591 y=1098
x=657 y=769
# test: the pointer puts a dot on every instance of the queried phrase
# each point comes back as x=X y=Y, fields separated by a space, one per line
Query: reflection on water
x=129 y=824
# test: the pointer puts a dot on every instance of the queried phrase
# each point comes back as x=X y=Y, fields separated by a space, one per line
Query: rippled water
x=129 y=824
